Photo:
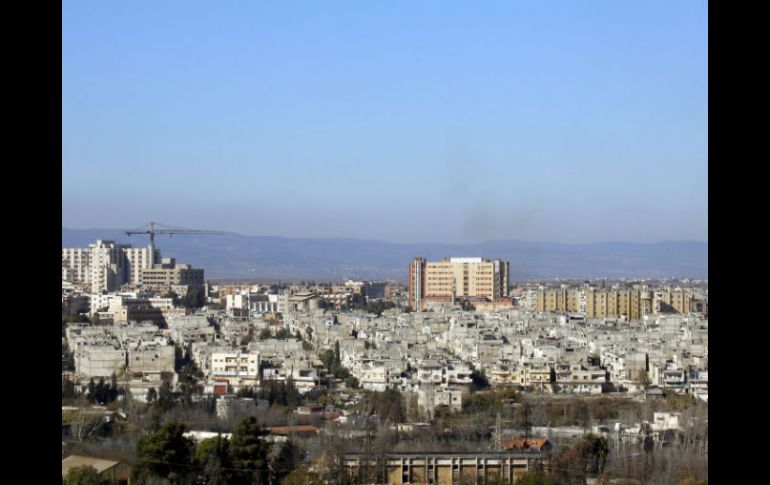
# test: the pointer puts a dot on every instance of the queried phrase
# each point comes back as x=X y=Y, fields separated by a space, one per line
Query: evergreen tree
x=248 y=452
x=67 y=358
x=213 y=456
x=100 y=396
x=165 y=454
x=337 y=352
x=113 y=391
x=91 y=390
x=288 y=458
x=188 y=382
x=67 y=389
x=166 y=399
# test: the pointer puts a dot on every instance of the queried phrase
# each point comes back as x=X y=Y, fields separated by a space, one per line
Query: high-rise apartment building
x=677 y=299
x=633 y=303
x=74 y=264
x=457 y=279
x=138 y=259
x=105 y=265
x=562 y=299
x=167 y=274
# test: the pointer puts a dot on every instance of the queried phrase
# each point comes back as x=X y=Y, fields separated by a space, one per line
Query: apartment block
x=457 y=279
x=559 y=299
x=168 y=273
x=106 y=265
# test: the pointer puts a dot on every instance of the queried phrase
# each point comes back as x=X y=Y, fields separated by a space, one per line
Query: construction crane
x=154 y=228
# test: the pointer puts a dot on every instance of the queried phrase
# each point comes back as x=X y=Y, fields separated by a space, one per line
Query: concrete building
x=238 y=368
x=138 y=259
x=452 y=468
x=168 y=273
x=107 y=266
x=561 y=299
x=678 y=300
x=74 y=264
x=429 y=397
x=632 y=303
x=151 y=358
x=457 y=279
x=99 y=360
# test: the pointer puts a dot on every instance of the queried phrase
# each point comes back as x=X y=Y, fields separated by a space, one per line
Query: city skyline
x=437 y=122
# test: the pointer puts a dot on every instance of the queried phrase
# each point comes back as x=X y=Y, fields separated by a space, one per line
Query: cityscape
x=432 y=243
x=457 y=375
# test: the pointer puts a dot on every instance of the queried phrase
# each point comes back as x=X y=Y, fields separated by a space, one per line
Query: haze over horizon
x=405 y=242
x=407 y=123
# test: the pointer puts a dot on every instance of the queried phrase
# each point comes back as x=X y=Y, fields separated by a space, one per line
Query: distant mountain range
x=239 y=257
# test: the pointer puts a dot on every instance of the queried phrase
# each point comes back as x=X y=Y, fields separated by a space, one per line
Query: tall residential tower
x=457 y=279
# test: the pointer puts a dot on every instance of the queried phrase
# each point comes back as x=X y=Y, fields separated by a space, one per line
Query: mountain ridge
x=239 y=256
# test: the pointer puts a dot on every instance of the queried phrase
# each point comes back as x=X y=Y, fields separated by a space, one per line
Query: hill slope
x=266 y=257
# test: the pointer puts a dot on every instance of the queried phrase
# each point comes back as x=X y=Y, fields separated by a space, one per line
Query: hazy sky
x=401 y=121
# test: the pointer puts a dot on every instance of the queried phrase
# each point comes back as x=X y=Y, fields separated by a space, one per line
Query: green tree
x=328 y=358
x=213 y=457
x=288 y=457
x=85 y=475
x=67 y=389
x=283 y=334
x=113 y=390
x=351 y=382
x=600 y=449
x=165 y=454
x=337 y=359
x=480 y=381
x=248 y=452
x=265 y=334
x=67 y=358
x=91 y=390
x=166 y=399
x=189 y=377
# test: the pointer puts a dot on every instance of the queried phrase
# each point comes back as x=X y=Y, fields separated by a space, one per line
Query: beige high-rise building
x=457 y=279
x=679 y=299
x=562 y=299
x=167 y=274
x=632 y=303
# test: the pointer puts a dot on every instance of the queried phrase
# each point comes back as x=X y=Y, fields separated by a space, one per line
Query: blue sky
x=399 y=121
